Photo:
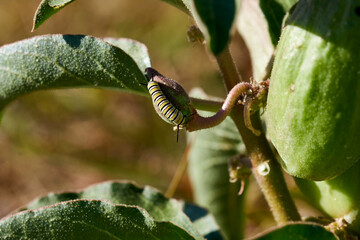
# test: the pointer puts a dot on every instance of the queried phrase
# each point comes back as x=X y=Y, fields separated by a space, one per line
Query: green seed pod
x=313 y=110
x=338 y=197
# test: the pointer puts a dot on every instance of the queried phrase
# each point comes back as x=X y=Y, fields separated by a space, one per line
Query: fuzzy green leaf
x=46 y=9
x=158 y=207
x=88 y=219
x=215 y=19
x=295 y=231
x=208 y=169
x=69 y=61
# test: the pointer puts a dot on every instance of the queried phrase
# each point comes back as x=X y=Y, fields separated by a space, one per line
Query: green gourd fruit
x=313 y=109
x=338 y=197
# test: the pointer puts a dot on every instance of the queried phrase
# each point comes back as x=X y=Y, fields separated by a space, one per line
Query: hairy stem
x=265 y=167
x=266 y=170
x=227 y=69
x=198 y=122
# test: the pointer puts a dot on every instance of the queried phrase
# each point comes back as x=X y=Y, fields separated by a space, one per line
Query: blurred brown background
x=68 y=139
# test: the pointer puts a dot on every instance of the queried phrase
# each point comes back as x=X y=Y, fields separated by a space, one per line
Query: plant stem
x=227 y=69
x=272 y=181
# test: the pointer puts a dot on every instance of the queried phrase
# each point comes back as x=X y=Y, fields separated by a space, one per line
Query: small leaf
x=253 y=28
x=208 y=169
x=159 y=207
x=134 y=49
x=178 y=4
x=259 y=24
x=295 y=231
x=274 y=12
x=46 y=9
x=88 y=219
x=215 y=19
x=68 y=61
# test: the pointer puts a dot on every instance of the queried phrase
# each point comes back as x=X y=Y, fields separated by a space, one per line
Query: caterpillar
x=162 y=104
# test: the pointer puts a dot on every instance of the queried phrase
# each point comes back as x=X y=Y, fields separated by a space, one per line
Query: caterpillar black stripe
x=166 y=108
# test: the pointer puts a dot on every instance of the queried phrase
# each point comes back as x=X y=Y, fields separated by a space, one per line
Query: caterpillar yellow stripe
x=166 y=108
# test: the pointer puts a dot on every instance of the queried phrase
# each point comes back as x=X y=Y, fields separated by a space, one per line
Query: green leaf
x=46 y=9
x=69 y=61
x=295 y=231
x=274 y=12
x=159 y=207
x=178 y=4
x=88 y=219
x=208 y=169
x=215 y=19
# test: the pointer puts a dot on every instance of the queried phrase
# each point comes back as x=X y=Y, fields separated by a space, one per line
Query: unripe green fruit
x=338 y=197
x=313 y=111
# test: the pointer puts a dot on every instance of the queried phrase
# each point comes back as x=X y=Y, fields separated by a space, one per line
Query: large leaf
x=46 y=9
x=69 y=61
x=295 y=231
x=158 y=207
x=208 y=168
x=215 y=19
x=88 y=219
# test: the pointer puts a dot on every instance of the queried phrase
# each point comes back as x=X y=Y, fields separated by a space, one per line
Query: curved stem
x=198 y=122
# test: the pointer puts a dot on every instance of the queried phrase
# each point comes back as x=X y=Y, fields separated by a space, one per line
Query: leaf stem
x=198 y=122
x=266 y=169
x=206 y=105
